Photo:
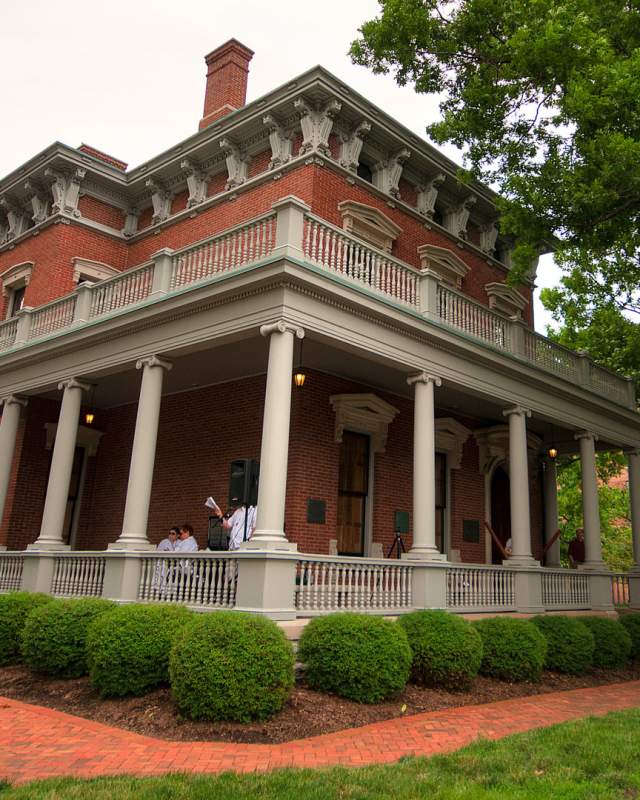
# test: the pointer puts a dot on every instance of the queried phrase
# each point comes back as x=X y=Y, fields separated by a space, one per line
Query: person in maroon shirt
x=576 y=549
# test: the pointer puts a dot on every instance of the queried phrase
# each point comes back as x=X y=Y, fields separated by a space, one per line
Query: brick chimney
x=227 y=73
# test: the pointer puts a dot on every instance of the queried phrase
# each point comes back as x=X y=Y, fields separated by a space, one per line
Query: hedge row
x=224 y=665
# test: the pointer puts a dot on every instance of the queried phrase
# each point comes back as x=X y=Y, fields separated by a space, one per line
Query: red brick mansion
x=152 y=321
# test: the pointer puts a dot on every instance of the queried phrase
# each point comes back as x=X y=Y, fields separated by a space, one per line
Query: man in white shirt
x=186 y=543
x=236 y=524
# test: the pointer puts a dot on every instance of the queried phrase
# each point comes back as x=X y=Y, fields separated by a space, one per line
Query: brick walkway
x=38 y=742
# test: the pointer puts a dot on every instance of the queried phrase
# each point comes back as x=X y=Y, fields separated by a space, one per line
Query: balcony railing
x=204 y=580
x=78 y=575
x=565 y=589
x=335 y=252
x=478 y=588
x=235 y=248
x=360 y=263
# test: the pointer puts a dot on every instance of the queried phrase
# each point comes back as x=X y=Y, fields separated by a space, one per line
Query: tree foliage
x=615 y=524
x=543 y=96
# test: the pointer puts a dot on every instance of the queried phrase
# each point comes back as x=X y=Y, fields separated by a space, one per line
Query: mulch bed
x=307 y=713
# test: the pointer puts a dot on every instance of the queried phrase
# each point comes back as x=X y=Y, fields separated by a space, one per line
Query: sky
x=128 y=76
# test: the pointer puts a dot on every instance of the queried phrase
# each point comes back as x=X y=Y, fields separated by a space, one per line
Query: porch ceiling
x=247 y=357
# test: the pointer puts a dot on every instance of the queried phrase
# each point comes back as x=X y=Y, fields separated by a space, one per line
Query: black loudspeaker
x=243 y=482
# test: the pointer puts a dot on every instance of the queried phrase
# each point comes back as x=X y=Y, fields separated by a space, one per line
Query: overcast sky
x=128 y=76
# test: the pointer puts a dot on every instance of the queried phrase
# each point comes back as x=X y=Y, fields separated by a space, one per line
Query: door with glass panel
x=353 y=487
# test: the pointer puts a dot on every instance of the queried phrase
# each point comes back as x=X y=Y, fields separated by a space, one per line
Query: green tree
x=543 y=96
x=614 y=509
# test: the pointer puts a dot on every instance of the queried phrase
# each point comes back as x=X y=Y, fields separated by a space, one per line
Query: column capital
x=424 y=377
x=519 y=411
x=13 y=400
x=153 y=361
x=74 y=383
x=281 y=326
x=585 y=435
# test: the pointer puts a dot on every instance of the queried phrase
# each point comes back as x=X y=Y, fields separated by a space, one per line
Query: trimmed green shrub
x=364 y=658
x=128 y=647
x=230 y=666
x=631 y=622
x=447 y=650
x=570 y=644
x=512 y=649
x=54 y=635
x=613 y=643
x=14 y=608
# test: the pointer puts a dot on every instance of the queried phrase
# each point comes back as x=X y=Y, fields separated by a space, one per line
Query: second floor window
x=16 y=300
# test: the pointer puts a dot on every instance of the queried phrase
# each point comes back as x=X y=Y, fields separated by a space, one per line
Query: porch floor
x=37 y=742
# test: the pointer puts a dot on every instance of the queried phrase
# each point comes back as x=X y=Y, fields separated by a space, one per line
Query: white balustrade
x=8 y=332
x=565 y=589
x=608 y=384
x=226 y=252
x=551 y=356
x=477 y=320
x=52 y=317
x=471 y=588
x=78 y=575
x=206 y=580
x=620 y=589
x=324 y=585
x=123 y=290
x=345 y=255
x=10 y=571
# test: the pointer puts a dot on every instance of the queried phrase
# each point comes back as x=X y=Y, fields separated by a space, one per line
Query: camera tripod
x=397 y=546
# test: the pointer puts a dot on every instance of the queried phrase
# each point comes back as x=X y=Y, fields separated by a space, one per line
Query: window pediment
x=16 y=277
x=505 y=299
x=368 y=223
x=494 y=446
x=450 y=438
x=86 y=268
x=448 y=266
x=363 y=413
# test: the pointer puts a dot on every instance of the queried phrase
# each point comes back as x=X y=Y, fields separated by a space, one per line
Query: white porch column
x=424 y=468
x=551 y=511
x=519 y=486
x=633 y=457
x=634 y=500
x=55 y=504
x=8 y=432
x=590 y=504
x=274 y=452
x=136 y=509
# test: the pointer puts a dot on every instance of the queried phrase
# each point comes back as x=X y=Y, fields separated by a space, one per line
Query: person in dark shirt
x=576 y=549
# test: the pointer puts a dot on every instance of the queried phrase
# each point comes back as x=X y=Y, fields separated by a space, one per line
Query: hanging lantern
x=552 y=452
x=89 y=417
x=299 y=376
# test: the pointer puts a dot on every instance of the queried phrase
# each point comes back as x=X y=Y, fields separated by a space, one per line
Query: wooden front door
x=353 y=486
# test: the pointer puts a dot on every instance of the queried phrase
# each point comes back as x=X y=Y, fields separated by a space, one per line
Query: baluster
x=314 y=241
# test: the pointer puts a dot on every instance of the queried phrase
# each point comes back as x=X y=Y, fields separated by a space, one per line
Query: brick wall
x=97 y=210
x=322 y=188
x=202 y=431
x=52 y=252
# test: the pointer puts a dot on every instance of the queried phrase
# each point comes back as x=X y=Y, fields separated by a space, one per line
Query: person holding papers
x=240 y=524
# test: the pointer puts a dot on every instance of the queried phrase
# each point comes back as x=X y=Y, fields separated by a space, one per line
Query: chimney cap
x=230 y=46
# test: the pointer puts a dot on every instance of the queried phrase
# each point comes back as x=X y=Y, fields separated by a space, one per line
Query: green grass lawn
x=594 y=759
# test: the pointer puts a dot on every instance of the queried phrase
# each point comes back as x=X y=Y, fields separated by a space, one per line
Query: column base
x=425 y=555
x=48 y=546
x=131 y=545
x=269 y=540
x=593 y=566
x=521 y=561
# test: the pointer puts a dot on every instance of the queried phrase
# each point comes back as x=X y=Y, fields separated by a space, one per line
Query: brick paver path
x=38 y=742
